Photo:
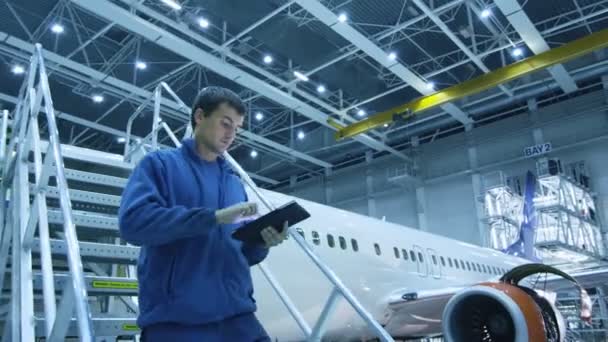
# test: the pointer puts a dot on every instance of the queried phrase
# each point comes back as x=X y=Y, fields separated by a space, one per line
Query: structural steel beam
x=125 y=88
x=330 y=19
x=462 y=46
x=535 y=41
x=167 y=40
x=541 y=61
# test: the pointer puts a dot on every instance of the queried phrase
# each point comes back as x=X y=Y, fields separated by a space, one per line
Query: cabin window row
x=409 y=255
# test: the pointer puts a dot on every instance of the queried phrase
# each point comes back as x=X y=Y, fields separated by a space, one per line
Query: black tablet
x=291 y=212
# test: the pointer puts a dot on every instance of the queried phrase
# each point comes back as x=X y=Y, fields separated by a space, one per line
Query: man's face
x=218 y=130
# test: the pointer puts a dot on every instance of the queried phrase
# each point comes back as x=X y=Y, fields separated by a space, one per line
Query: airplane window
x=483 y=268
x=299 y=230
x=468 y=266
x=496 y=270
x=412 y=256
x=342 y=242
x=315 y=238
x=434 y=259
x=396 y=250
x=330 y=240
x=473 y=267
x=355 y=245
x=377 y=247
x=462 y=264
x=456 y=264
x=478 y=268
x=450 y=262
x=404 y=252
x=442 y=261
x=420 y=257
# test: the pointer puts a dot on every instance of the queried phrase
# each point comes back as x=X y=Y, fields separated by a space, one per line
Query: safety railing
x=19 y=222
x=339 y=289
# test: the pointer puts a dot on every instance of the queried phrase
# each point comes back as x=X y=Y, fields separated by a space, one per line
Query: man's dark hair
x=210 y=98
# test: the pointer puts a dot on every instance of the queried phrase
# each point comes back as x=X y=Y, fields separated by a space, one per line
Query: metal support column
x=476 y=185
x=329 y=191
x=369 y=185
x=537 y=132
x=421 y=206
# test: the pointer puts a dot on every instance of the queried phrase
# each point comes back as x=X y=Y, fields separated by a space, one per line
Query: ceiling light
x=301 y=135
x=56 y=28
x=140 y=65
x=321 y=89
x=204 y=23
x=385 y=125
x=97 y=98
x=517 y=52
x=361 y=112
x=392 y=56
x=430 y=85
x=342 y=17
x=267 y=59
x=253 y=153
x=486 y=13
x=18 y=69
x=259 y=116
x=301 y=76
x=172 y=4
x=121 y=140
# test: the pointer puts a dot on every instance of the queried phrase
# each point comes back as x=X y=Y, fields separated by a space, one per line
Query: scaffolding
x=568 y=229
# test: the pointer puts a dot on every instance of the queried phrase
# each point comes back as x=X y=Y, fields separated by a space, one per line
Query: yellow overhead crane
x=541 y=61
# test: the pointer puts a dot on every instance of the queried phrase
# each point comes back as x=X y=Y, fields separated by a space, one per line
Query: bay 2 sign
x=537 y=150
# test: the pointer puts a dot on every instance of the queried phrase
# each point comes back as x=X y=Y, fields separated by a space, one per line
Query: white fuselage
x=374 y=273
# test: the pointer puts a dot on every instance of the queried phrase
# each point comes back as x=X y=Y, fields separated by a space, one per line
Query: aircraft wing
x=586 y=278
x=416 y=313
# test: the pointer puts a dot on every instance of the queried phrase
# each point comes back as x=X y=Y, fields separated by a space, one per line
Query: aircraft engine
x=502 y=312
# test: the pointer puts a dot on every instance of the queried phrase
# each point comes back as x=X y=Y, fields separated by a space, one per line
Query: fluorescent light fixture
x=342 y=17
x=56 y=28
x=97 y=98
x=392 y=56
x=301 y=76
x=18 y=69
x=486 y=13
x=361 y=112
x=253 y=153
x=259 y=116
x=141 y=65
x=172 y=4
x=517 y=52
x=121 y=140
x=301 y=135
x=268 y=59
x=430 y=85
x=321 y=89
x=204 y=23
x=385 y=125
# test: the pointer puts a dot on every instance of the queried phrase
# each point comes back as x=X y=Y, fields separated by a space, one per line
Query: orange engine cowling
x=501 y=312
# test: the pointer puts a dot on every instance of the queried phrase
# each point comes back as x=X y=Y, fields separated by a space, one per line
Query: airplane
x=416 y=284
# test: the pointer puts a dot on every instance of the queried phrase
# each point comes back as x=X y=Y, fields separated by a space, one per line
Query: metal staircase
x=59 y=230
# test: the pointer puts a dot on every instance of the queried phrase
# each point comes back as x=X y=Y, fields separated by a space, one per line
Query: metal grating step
x=92 y=251
x=107 y=223
x=83 y=196
x=90 y=177
x=102 y=326
x=96 y=285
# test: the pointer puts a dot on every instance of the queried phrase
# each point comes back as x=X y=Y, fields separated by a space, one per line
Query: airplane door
x=435 y=266
x=421 y=262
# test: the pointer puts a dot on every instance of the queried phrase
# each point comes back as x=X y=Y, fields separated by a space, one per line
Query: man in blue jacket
x=181 y=206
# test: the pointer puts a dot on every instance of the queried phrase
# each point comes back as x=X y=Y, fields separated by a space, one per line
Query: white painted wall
x=577 y=128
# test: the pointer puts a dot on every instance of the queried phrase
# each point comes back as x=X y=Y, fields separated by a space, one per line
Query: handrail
x=25 y=219
x=338 y=289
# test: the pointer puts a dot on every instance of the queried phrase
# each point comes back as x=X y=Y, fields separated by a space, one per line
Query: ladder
x=100 y=268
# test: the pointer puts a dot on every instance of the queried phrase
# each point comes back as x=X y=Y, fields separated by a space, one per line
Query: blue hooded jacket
x=190 y=269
